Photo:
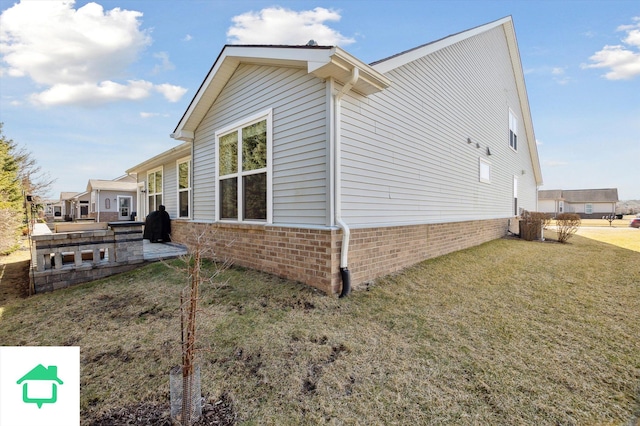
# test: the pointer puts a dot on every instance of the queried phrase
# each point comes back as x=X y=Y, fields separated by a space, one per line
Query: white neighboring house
x=305 y=162
x=588 y=203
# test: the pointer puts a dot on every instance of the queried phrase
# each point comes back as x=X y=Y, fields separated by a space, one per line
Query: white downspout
x=98 y=204
x=346 y=232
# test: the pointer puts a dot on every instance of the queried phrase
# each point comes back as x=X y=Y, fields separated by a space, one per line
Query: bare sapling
x=199 y=250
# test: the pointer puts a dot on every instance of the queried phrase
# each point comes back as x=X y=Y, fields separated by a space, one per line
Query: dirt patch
x=217 y=411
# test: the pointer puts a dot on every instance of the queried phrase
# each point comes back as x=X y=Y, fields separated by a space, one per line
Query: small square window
x=484 y=170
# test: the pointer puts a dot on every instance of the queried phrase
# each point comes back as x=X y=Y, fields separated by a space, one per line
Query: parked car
x=635 y=223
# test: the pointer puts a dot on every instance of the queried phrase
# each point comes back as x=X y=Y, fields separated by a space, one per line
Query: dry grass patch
x=627 y=237
x=511 y=332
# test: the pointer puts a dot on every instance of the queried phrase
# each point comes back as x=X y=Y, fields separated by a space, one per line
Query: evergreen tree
x=10 y=194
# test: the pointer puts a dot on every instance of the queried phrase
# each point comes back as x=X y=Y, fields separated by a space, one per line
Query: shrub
x=568 y=224
x=532 y=223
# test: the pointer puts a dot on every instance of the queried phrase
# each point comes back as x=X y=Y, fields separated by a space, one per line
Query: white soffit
x=322 y=62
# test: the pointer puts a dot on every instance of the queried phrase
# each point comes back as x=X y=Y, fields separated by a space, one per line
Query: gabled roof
x=606 y=195
x=550 y=194
x=321 y=61
x=174 y=153
x=395 y=61
x=42 y=373
x=67 y=195
x=110 y=185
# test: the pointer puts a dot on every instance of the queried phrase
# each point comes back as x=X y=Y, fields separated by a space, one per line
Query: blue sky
x=94 y=88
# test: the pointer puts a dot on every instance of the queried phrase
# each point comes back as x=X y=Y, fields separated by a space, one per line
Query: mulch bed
x=218 y=412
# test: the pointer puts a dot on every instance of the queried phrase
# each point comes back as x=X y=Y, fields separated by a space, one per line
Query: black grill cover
x=157 y=226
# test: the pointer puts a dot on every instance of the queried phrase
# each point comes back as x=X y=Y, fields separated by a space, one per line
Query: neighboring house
x=61 y=209
x=46 y=381
x=111 y=200
x=305 y=162
x=588 y=203
x=80 y=206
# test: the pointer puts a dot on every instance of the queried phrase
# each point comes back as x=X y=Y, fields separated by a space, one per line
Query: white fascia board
x=414 y=54
x=183 y=135
x=176 y=152
x=227 y=62
x=300 y=55
x=340 y=65
x=317 y=61
x=516 y=64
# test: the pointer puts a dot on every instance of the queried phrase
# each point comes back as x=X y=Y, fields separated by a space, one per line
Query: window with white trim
x=588 y=208
x=513 y=130
x=484 y=170
x=516 y=211
x=243 y=170
x=184 y=187
x=154 y=189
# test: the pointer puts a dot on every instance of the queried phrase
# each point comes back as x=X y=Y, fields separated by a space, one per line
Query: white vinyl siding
x=405 y=153
x=299 y=170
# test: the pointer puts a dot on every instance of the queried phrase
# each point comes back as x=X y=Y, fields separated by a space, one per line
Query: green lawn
x=511 y=332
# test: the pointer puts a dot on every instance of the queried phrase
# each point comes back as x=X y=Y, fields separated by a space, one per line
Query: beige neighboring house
x=588 y=203
x=111 y=200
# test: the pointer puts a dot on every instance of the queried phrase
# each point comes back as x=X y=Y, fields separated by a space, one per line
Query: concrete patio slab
x=159 y=251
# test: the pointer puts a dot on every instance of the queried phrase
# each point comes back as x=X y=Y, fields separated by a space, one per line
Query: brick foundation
x=312 y=256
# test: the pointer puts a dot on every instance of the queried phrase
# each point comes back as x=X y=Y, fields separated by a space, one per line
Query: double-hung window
x=184 y=187
x=154 y=189
x=513 y=131
x=243 y=170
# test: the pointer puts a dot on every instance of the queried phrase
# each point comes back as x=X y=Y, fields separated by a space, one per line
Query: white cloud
x=170 y=92
x=152 y=114
x=188 y=37
x=76 y=53
x=277 y=25
x=165 y=63
x=90 y=94
x=622 y=60
x=555 y=163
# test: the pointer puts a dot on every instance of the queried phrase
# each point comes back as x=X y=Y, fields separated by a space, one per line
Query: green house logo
x=39 y=379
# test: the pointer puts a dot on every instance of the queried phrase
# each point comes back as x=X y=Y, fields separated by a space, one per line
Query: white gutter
x=346 y=232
